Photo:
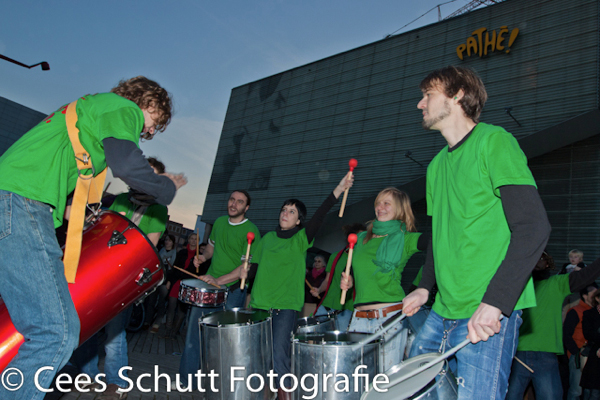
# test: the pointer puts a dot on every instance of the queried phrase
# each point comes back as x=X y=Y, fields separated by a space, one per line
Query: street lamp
x=44 y=64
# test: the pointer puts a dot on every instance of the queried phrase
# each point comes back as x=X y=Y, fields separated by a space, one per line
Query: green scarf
x=389 y=252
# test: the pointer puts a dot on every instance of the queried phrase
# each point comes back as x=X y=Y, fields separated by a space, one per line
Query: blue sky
x=198 y=50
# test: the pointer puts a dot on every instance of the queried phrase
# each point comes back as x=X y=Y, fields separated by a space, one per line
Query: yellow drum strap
x=87 y=191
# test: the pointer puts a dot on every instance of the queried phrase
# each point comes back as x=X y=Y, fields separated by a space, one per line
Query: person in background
x=315 y=277
x=590 y=381
x=574 y=340
x=540 y=336
x=157 y=301
x=331 y=285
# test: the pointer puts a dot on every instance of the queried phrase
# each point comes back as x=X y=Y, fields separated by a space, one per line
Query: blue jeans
x=394 y=339
x=574 y=392
x=86 y=356
x=35 y=291
x=482 y=369
x=546 y=376
x=190 y=359
x=284 y=324
x=342 y=319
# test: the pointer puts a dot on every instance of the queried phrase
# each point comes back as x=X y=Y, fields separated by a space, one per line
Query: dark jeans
x=546 y=378
x=284 y=326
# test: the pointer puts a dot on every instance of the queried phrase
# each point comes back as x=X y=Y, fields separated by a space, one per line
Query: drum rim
x=208 y=289
x=201 y=321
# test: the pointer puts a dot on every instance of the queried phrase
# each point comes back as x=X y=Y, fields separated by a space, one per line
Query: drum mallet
x=352 y=163
x=352 y=238
x=250 y=237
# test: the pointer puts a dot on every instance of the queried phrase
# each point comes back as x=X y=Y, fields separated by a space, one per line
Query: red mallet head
x=250 y=237
x=352 y=163
x=352 y=238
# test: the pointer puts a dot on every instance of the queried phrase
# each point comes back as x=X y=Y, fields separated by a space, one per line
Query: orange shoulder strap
x=87 y=190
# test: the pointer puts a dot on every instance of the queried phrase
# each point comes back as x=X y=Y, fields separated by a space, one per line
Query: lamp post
x=44 y=64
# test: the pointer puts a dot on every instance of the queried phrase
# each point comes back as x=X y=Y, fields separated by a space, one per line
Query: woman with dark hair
x=279 y=282
x=380 y=255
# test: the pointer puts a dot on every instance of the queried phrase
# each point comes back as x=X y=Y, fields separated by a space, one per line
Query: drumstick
x=197 y=248
x=525 y=365
x=196 y=276
x=311 y=287
x=353 y=163
x=352 y=238
x=250 y=237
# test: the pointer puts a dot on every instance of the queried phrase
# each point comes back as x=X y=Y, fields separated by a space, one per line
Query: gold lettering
x=499 y=45
x=513 y=36
x=471 y=44
x=489 y=43
x=479 y=33
x=460 y=49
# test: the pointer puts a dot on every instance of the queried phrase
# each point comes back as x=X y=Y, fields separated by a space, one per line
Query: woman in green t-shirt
x=279 y=282
x=379 y=258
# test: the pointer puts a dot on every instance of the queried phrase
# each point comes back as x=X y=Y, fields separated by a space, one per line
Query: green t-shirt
x=279 y=282
x=41 y=164
x=154 y=219
x=230 y=242
x=542 y=325
x=470 y=231
x=334 y=293
x=373 y=285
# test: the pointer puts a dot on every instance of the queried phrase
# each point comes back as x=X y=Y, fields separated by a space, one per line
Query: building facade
x=292 y=134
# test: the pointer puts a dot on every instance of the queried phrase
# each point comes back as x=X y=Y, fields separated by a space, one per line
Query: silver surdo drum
x=320 y=324
x=237 y=338
x=329 y=353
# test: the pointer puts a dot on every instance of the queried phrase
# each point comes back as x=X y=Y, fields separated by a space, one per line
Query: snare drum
x=201 y=294
x=320 y=324
x=329 y=353
x=236 y=338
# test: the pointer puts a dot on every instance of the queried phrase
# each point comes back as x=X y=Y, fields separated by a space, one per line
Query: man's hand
x=314 y=292
x=199 y=259
x=347 y=282
x=209 y=279
x=484 y=323
x=413 y=302
x=179 y=180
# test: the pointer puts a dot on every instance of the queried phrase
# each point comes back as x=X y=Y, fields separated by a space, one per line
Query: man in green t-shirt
x=227 y=245
x=489 y=230
x=37 y=173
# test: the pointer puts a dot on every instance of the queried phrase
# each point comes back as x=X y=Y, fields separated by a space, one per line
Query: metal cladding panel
x=569 y=184
x=292 y=134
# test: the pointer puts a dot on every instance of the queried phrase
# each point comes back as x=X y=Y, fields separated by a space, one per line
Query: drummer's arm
x=238 y=274
x=154 y=237
x=323 y=286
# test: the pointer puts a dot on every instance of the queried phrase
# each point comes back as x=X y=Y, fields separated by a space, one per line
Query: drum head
x=235 y=317
x=410 y=386
x=332 y=338
x=203 y=286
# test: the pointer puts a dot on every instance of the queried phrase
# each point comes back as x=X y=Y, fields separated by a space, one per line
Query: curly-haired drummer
x=37 y=173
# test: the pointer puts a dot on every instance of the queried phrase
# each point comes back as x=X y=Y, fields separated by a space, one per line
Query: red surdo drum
x=118 y=265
